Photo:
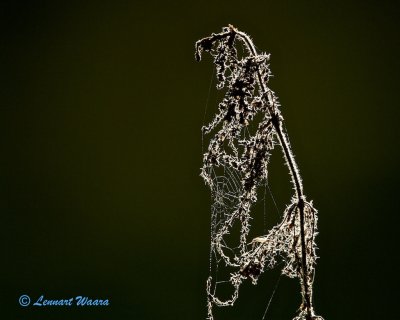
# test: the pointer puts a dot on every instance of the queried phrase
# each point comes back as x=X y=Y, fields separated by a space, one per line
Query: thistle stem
x=291 y=163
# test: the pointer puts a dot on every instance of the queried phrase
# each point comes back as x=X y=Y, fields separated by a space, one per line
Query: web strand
x=272 y=296
x=206 y=108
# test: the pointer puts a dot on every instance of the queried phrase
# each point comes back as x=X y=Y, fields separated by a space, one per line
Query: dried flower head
x=236 y=165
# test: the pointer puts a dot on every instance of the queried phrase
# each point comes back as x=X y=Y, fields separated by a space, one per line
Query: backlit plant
x=235 y=166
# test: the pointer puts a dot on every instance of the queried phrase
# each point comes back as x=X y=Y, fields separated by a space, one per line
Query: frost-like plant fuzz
x=236 y=165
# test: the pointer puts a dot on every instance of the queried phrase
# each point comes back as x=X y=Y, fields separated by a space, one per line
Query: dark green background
x=101 y=109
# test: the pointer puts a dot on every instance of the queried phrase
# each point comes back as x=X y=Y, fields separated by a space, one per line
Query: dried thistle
x=244 y=157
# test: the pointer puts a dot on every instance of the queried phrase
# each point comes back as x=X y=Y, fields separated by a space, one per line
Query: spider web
x=225 y=197
x=227 y=182
x=235 y=169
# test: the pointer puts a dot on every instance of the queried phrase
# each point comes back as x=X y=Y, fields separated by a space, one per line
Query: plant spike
x=247 y=94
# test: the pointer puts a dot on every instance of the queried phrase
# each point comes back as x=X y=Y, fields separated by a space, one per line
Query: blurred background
x=101 y=108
